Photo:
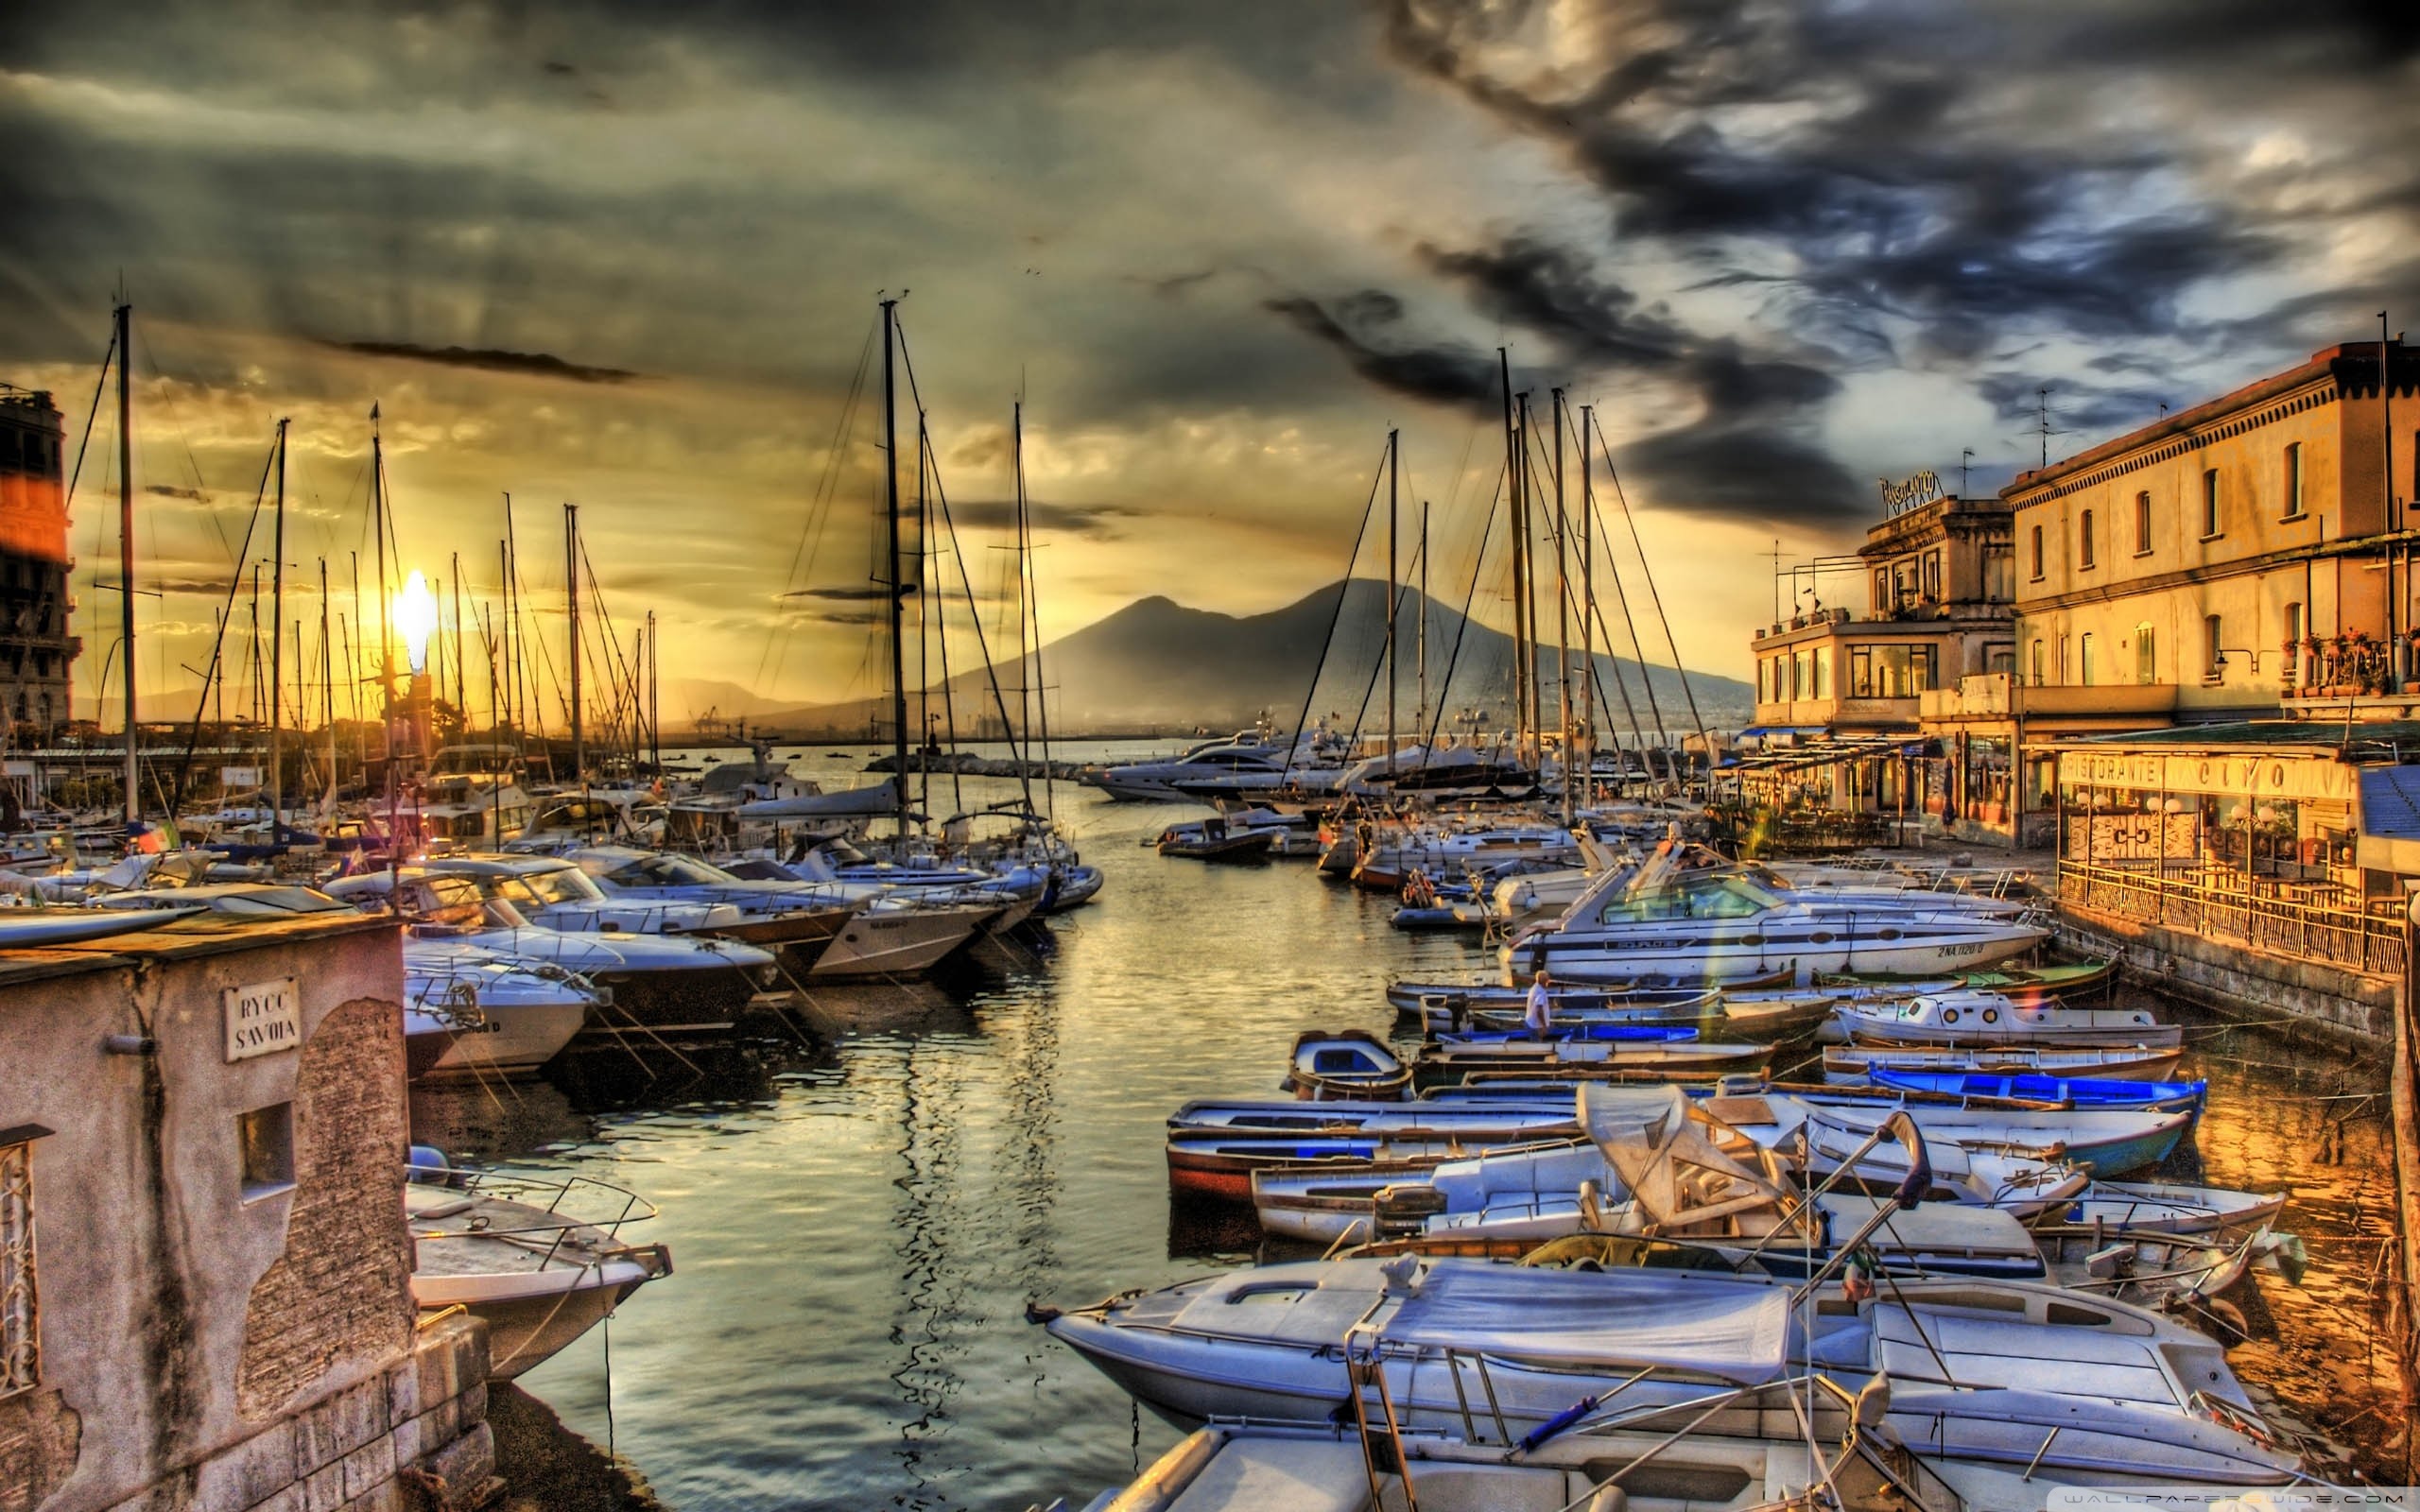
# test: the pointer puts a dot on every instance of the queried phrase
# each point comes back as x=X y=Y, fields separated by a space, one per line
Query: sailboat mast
x=1587 y=598
x=654 y=711
x=125 y=314
x=1419 y=643
x=1526 y=606
x=1512 y=499
x=461 y=696
x=277 y=648
x=1562 y=610
x=571 y=602
x=1033 y=597
x=378 y=528
x=898 y=590
x=328 y=672
x=1395 y=514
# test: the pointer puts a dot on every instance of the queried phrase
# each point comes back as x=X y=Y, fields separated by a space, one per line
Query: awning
x=1764 y=732
x=1830 y=753
x=2390 y=820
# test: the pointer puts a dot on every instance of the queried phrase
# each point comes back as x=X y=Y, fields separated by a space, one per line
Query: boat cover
x=854 y=802
x=1612 y=1321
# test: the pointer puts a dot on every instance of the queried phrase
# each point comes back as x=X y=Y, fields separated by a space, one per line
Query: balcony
x=2000 y=696
x=2344 y=667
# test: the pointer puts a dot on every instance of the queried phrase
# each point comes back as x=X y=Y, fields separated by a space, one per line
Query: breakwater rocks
x=966 y=764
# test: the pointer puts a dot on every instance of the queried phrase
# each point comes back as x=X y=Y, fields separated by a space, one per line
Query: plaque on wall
x=264 y=1018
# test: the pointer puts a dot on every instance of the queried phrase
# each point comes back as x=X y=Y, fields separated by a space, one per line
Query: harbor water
x=859 y=1226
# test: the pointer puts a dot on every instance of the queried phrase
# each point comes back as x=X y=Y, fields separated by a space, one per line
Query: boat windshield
x=667 y=871
x=538 y=889
x=1690 y=898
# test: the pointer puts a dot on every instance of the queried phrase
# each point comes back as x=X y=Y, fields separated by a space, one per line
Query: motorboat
x=657 y=985
x=1213 y=1148
x=428 y=1034
x=1211 y=840
x=1247 y=754
x=525 y=1014
x=1716 y=926
x=1359 y=1466
x=2066 y=1386
x=1855 y=1063
x=507 y=1249
x=1967 y=1018
x=798 y=920
x=2133 y=1207
x=1348 y=1063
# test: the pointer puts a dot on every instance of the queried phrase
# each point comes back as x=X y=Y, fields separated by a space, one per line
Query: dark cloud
x=1751 y=447
x=1362 y=328
x=1100 y=519
x=171 y=490
x=1961 y=176
x=847 y=592
x=541 y=364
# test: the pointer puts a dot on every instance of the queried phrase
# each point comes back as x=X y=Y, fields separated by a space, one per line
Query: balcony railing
x=2338 y=666
x=2308 y=923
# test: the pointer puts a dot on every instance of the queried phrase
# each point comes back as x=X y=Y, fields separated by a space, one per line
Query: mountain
x=1156 y=664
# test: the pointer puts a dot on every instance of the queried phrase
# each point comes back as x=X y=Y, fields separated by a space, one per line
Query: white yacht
x=1721 y=925
x=1247 y=754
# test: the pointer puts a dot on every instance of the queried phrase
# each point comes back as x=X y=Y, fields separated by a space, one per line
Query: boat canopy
x=1615 y=1321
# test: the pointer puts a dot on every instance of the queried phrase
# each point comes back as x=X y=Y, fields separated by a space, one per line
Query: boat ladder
x=1381 y=1433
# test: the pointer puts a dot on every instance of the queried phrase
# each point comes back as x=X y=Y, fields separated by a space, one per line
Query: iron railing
x=2322 y=925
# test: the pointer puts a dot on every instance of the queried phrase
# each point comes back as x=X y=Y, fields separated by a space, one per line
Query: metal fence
x=2316 y=924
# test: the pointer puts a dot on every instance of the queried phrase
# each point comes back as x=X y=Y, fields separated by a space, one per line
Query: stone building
x=204 y=1269
x=36 y=652
x=2246 y=555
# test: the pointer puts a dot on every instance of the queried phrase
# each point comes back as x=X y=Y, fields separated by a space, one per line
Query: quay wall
x=2237 y=980
x=204 y=1268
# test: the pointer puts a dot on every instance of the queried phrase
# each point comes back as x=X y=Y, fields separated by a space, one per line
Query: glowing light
x=415 y=617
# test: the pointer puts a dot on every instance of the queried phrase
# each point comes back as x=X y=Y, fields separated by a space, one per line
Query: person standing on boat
x=1539 y=1017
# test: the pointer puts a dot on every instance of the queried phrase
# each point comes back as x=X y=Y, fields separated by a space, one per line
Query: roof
x=187 y=939
x=2383 y=740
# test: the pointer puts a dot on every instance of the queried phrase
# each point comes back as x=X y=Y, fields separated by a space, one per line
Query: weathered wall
x=2234 y=979
x=184 y=1323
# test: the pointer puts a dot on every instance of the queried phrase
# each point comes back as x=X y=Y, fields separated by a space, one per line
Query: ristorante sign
x=2298 y=777
x=1898 y=498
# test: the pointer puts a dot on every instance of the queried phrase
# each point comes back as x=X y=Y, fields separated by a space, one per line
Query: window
x=1932 y=575
x=1893 y=671
x=1999 y=575
x=1999 y=657
x=2295 y=481
x=2064 y=662
x=266 y=1137
x=2292 y=671
x=2209 y=505
x=20 y=1318
x=2213 y=638
x=2037 y=553
x=2084 y=539
x=1882 y=604
x=2084 y=664
x=1822 y=670
x=2146 y=654
x=2143 y=523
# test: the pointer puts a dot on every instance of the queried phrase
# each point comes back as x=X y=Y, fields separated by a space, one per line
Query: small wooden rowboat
x=1345 y=1064
x=1853 y=1063
x=1219 y=1163
x=2021 y=1090
x=1592 y=1059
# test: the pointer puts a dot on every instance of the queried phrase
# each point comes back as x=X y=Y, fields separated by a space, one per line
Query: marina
x=1209 y=759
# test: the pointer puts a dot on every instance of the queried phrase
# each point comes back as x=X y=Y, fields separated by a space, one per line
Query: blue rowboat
x=1655 y=1034
x=2061 y=1092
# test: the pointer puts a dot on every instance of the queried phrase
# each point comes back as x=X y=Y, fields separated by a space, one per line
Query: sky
x=628 y=255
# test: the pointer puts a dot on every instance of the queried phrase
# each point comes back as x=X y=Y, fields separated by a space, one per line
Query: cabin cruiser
x=829 y=931
x=1246 y=756
x=656 y=986
x=1014 y=892
x=515 y=1252
x=1718 y=925
x=1975 y=1018
x=519 y=1014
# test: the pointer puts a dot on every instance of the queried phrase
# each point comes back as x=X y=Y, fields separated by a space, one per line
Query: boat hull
x=518 y=1041
x=906 y=942
x=528 y=1326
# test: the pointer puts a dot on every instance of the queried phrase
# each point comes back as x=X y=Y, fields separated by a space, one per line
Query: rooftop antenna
x=1965 y=458
x=2043 y=396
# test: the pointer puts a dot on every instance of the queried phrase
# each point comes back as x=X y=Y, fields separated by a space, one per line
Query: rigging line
x=218 y=642
x=92 y=417
x=811 y=533
x=185 y=441
x=1594 y=674
x=974 y=615
x=1621 y=597
x=949 y=698
x=1478 y=566
x=1648 y=573
x=1377 y=475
